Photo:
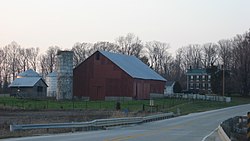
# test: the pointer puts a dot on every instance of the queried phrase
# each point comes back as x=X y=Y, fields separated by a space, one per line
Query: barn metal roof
x=25 y=82
x=133 y=66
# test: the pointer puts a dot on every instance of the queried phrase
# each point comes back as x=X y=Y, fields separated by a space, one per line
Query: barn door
x=97 y=93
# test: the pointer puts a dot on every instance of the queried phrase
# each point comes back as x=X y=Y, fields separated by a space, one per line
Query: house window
x=192 y=77
x=191 y=85
x=203 y=77
x=209 y=77
x=206 y=86
x=209 y=85
x=200 y=86
x=200 y=77
x=39 y=89
x=197 y=85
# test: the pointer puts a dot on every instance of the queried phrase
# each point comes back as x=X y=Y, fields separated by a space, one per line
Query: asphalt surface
x=192 y=127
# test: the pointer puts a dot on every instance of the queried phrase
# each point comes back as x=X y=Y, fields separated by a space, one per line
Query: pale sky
x=43 y=23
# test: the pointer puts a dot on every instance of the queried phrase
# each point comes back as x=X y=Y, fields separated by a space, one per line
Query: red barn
x=106 y=76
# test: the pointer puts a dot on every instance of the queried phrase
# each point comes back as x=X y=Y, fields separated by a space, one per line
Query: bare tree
x=23 y=59
x=81 y=52
x=43 y=65
x=168 y=67
x=1 y=66
x=5 y=64
x=129 y=45
x=32 y=58
x=158 y=55
x=192 y=56
x=210 y=54
x=242 y=60
x=48 y=60
x=225 y=53
x=105 y=46
x=12 y=57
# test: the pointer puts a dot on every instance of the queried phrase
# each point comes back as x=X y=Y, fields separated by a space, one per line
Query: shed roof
x=25 y=82
x=133 y=66
x=29 y=73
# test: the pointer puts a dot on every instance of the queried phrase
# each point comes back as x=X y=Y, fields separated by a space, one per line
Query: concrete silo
x=64 y=69
x=51 y=80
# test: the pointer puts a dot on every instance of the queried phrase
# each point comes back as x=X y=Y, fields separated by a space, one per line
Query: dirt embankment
x=17 y=116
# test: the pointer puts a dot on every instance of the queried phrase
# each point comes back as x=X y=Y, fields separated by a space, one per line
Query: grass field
x=161 y=105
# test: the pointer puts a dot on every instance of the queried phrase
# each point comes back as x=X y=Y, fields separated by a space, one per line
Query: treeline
x=232 y=53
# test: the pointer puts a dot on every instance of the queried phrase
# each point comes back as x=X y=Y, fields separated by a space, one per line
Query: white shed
x=169 y=88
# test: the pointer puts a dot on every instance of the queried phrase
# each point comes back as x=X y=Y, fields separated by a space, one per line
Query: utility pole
x=223 y=80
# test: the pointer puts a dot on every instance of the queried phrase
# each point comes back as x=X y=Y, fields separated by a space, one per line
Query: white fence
x=4 y=95
x=200 y=97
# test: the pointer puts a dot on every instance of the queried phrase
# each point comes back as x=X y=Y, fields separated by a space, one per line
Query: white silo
x=51 y=80
x=64 y=67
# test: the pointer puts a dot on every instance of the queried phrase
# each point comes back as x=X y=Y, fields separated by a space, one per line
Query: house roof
x=196 y=71
x=28 y=73
x=25 y=82
x=133 y=66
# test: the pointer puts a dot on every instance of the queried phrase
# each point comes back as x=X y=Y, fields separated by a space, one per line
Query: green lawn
x=199 y=106
x=161 y=105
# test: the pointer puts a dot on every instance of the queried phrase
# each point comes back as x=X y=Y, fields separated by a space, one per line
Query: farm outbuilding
x=109 y=76
x=29 y=84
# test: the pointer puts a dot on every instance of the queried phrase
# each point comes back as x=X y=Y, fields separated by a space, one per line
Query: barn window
x=97 y=56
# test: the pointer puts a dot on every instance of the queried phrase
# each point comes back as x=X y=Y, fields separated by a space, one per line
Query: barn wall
x=143 y=88
x=97 y=78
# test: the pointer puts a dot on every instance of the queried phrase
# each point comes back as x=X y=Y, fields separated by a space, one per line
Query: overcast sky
x=43 y=23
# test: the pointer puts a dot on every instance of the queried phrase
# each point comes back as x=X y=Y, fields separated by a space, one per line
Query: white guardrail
x=99 y=123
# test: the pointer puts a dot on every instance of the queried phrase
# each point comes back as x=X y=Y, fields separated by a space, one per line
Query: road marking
x=130 y=136
x=209 y=134
x=147 y=133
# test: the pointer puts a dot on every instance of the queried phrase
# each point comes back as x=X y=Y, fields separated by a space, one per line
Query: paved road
x=192 y=127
